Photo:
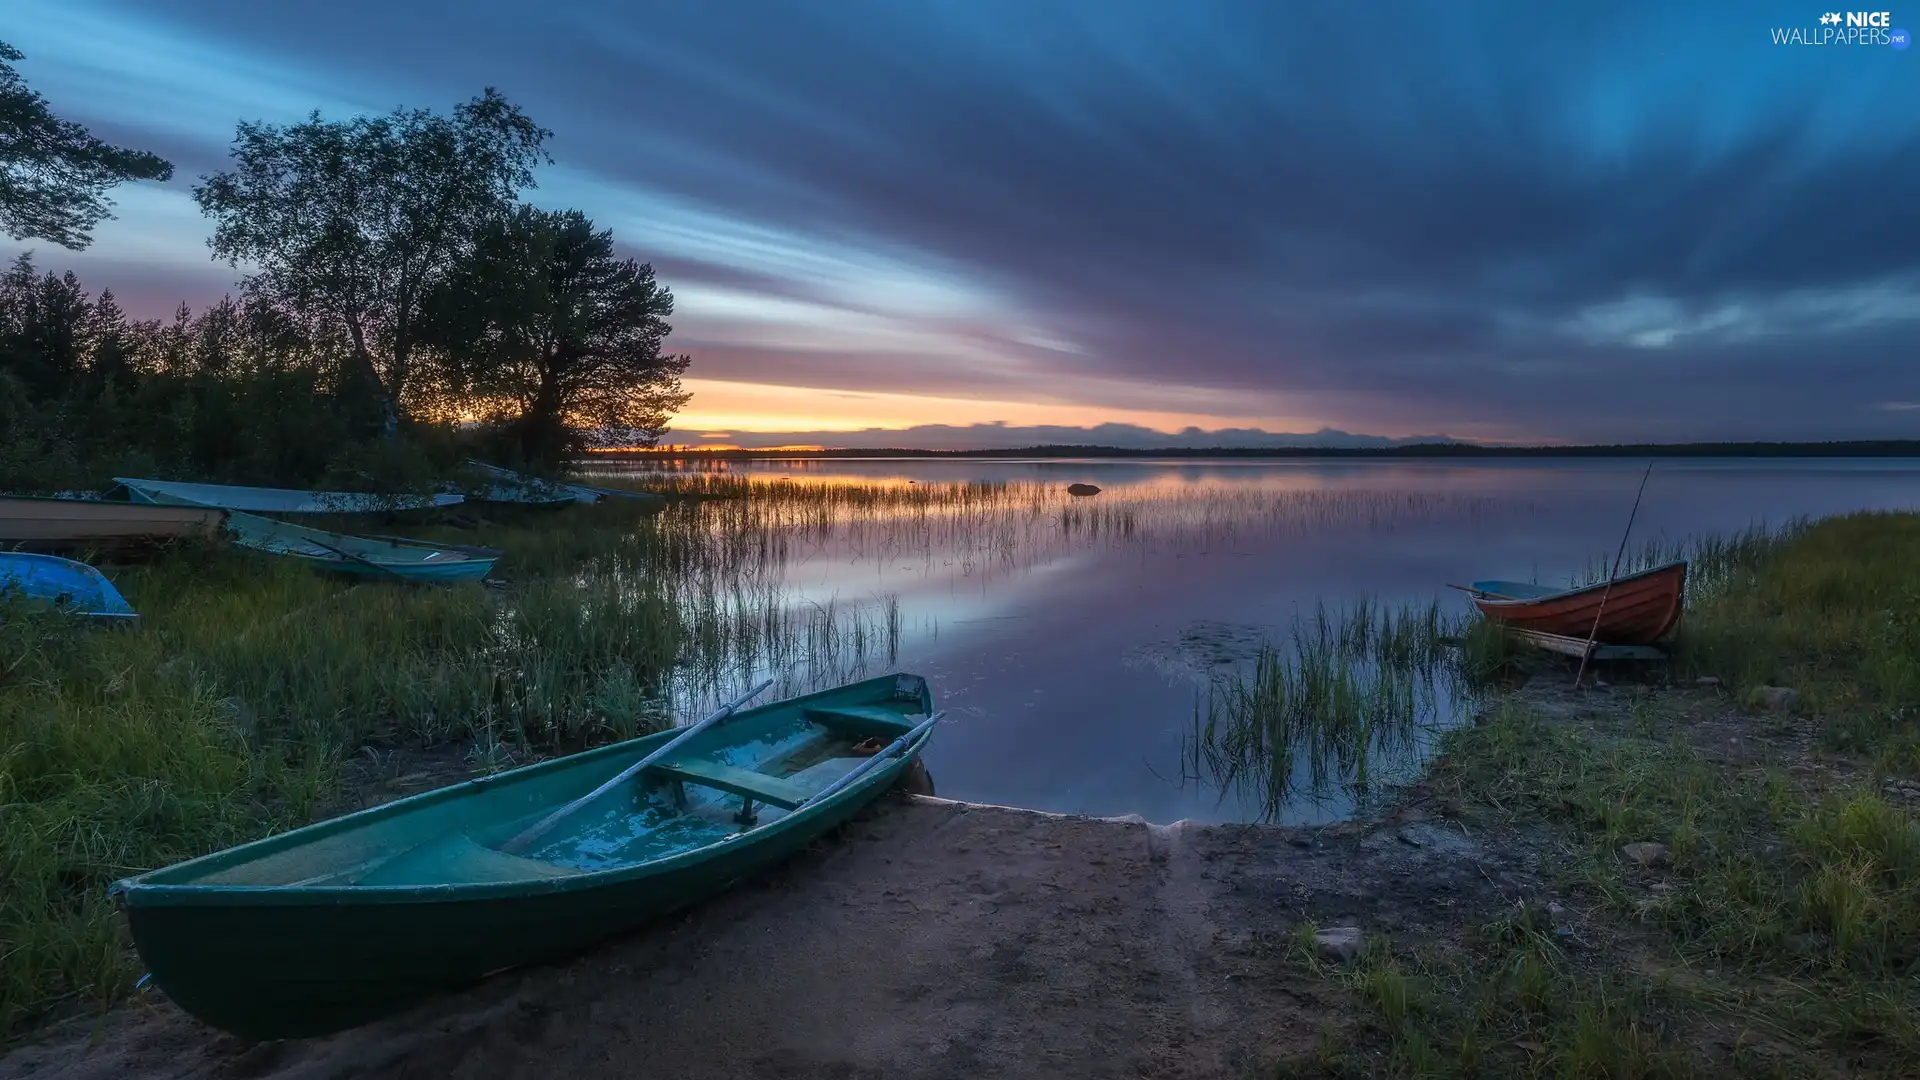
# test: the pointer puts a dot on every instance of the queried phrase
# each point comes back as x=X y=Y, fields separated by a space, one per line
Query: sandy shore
x=929 y=939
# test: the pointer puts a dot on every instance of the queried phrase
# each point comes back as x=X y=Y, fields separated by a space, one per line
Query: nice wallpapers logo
x=1846 y=28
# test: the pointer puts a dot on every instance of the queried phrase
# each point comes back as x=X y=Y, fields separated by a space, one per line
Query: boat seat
x=458 y=858
x=771 y=790
x=817 y=776
x=860 y=719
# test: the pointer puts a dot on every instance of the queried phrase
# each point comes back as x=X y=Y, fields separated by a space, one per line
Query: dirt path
x=931 y=939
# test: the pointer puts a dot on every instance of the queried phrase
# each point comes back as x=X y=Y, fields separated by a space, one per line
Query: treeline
x=1852 y=448
x=401 y=307
x=236 y=393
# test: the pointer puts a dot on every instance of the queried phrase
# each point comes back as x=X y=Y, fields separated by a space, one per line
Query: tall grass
x=759 y=525
x=1831 y=610
x=1342 y=707
x=112 y=759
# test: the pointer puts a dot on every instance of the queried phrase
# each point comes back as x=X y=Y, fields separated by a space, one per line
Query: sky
x=971 y=221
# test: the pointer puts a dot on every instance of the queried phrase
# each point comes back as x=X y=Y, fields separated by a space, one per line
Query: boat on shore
x=513 y=497
x=653 y=501
x=1639 y=609
x=585 y=493
x=348 y=920
x=258 y=500
x=29 y=523
x=70 y=586
x=517 y=487
x=383 y=558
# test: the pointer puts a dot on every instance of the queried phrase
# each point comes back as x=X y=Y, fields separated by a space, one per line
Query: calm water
x=1070 y=640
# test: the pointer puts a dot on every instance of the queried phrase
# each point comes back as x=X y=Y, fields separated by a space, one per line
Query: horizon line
x=1752 y=447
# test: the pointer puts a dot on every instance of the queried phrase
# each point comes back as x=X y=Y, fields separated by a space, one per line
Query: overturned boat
x=259 y=500
x=29 y=523
x=71 y=587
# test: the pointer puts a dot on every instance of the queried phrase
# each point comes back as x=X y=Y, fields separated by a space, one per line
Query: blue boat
x=71 y=586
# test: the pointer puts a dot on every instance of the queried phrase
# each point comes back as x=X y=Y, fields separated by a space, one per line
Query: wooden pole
x=872 y=763
x=351 y=557
x=1594 y=633
x=540 y=828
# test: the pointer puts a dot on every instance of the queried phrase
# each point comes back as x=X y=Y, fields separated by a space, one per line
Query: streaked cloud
x=1574 y=221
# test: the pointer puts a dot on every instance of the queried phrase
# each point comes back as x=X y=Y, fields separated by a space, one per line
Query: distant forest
x=1883 y=448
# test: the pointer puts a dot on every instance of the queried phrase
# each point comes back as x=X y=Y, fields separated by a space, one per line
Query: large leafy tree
x=54 y=176
x=352 y=224
x=550 y=334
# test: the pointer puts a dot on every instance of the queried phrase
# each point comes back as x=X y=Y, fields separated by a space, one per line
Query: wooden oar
x=469 y=549
x=872 y=763
x=363 y=561
x=540 y=828
x=1482 y=592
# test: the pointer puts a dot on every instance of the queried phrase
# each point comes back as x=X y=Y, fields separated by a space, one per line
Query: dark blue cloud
x=1592 y=220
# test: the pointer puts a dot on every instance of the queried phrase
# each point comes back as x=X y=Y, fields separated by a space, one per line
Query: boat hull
x=471 y=569
x=76 y=587
x=650 y=501
x=512 y=487
x=274 y=973
x=509 y=498
x=268 y=963
x=586 y=493
x=375 y=558
x=256 y=500
x=53 y=525
x=1640 y=609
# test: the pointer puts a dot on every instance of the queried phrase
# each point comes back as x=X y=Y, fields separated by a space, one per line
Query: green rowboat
x=342 y=922
x=382 y=558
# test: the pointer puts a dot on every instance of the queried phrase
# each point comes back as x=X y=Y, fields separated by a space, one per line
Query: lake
x=1072 y=640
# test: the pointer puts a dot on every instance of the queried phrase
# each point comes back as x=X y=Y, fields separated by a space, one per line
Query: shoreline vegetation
x=1731 y=853
x=1860 y=448
x=1768 y=929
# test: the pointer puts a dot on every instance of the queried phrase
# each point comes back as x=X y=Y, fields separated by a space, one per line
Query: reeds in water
x=1341 y=708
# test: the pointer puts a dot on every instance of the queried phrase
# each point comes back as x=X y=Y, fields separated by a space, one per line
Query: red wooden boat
x=1640 y=608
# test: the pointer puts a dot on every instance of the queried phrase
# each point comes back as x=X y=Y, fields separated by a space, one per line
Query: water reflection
x=1039 y=616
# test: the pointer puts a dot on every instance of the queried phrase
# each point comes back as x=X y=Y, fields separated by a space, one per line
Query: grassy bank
x=233 y=708
x=255 y=695
x=1776 y=932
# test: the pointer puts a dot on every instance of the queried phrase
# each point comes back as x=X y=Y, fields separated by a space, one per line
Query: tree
x=549 y=333
x=353 y=223
x=53 y=174
x=43 y=329
x=110 y=347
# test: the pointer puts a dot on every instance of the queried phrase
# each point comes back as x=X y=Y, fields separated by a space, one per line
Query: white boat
x=258 y=500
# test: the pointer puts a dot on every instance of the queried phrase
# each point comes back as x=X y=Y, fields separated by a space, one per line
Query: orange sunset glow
x=735 y=408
